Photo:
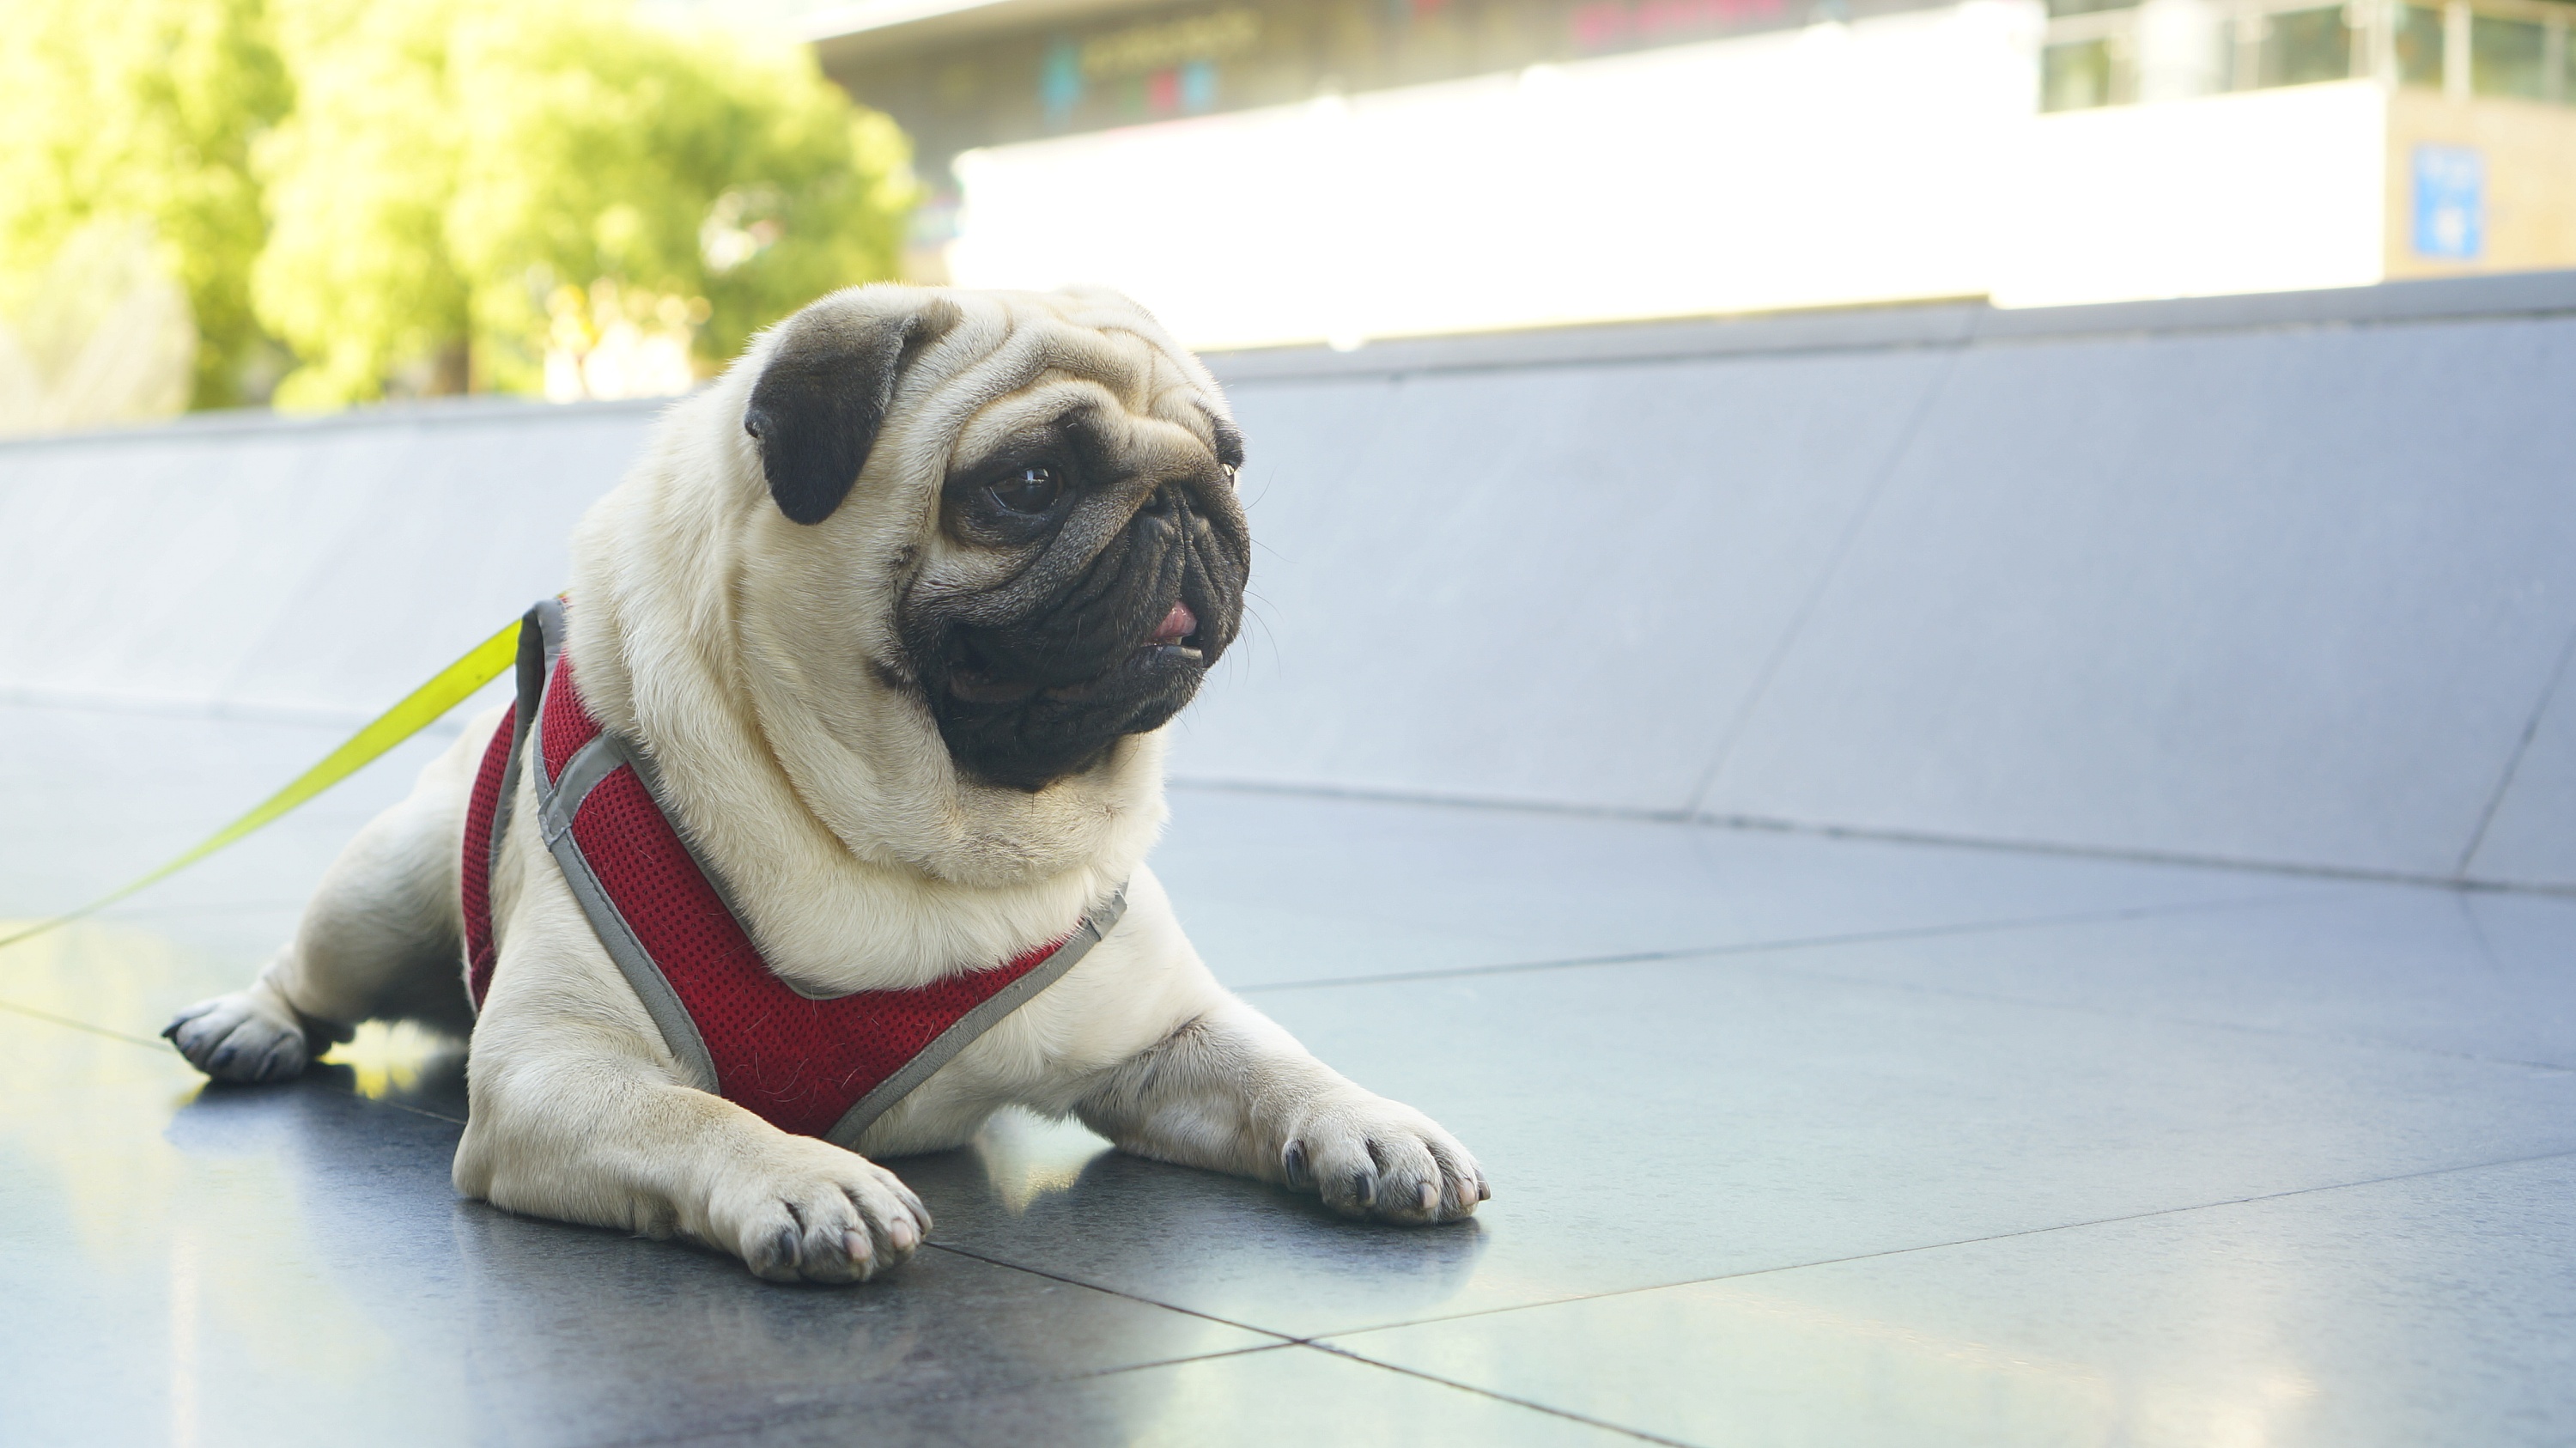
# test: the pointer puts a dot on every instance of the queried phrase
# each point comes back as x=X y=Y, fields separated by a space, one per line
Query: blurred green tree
x=556 y=197
x=142 y=114
x=356 y=276
x=432 y=195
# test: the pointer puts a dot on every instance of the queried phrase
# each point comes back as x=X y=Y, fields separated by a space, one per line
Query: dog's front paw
x=812 y=1212
x=1371 y=1157
x=244 y=1036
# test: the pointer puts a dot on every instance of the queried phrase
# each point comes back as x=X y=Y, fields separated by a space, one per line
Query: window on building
x=2419 y=46
x=2508 y=57
x=2301 y=47
x=2079 y=75
x=1074 y=68
x=2090 y=57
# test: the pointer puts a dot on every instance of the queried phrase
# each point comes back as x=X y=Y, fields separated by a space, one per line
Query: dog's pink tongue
x=1179 y=624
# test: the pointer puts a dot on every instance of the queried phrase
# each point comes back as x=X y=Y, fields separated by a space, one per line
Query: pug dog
x=897 y=611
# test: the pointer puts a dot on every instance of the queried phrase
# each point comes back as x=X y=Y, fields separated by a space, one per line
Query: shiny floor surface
x=1794 y=1140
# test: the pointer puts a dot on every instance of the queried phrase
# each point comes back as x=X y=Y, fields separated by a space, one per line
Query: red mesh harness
x=816 y=1067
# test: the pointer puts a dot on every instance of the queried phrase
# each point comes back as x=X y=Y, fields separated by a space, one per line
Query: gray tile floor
x=1795 y=1140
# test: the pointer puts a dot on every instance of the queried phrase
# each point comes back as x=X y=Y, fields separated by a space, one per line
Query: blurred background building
x=316 y=203
x=1266 y=171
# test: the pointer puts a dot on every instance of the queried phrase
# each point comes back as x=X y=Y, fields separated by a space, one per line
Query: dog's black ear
x=818 y=404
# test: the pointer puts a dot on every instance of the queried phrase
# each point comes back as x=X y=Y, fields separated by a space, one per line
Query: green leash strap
x=418 y=710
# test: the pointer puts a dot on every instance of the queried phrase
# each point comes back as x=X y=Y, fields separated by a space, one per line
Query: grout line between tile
x=1787 y=943
x=1319 y=1339
x=1531 y=1404
x=1883 y=835
x=2375 y=1043
x=2135 y=855
x=2521 y=751
x=48 y=1016
x=158 y=1046
x=1750 y=956
x=1285 y=1339
x=455 y=1121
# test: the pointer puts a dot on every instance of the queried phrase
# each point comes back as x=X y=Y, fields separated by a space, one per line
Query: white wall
x=2275 y=190
x=1801 y=168
x=1896 y=158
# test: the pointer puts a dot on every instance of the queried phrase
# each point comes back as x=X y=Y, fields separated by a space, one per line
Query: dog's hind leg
x=380 y=940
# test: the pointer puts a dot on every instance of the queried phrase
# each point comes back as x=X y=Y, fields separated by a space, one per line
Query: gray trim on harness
x=652 y=777
x=944 y=1047
x=602 y=757
x=557 y=804
x=582 y=773
x=540 y=638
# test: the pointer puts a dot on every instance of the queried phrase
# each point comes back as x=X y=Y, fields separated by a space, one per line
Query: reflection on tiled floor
x=1794 y=1141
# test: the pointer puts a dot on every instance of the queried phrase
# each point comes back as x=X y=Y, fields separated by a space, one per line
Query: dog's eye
x=1031 y=490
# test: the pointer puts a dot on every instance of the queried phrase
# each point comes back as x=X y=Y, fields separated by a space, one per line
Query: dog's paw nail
x=1430 y=1196
x=1293 y=1163
x=858 y=1246
x=904 y=1235
x=1484 y=1193
x=1364 y=1188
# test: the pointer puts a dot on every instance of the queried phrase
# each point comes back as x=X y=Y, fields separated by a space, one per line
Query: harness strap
x=818 y=1066
x=496 y=791
x=558 y=801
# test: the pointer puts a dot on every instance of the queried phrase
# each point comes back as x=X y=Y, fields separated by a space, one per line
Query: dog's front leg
x=577 y=1114
x=1231 y=1091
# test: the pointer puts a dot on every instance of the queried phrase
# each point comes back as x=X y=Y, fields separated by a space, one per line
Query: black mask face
x=1132 y=586
x=1127 y=557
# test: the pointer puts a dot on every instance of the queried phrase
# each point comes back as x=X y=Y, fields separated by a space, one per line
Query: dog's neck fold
x=722 y=639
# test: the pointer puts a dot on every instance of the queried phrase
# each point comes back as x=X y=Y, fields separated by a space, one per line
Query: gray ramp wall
x=256 y=566
x=2281 y=579
x=2276 y=596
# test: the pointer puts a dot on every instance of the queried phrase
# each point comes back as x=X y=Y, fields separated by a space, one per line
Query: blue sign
x=2450 y=202
x=1060 y=83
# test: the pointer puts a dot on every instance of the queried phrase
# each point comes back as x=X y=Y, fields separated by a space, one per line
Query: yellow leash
x=418 y=710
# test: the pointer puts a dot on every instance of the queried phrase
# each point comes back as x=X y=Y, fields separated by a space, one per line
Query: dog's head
x=1034 y=496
